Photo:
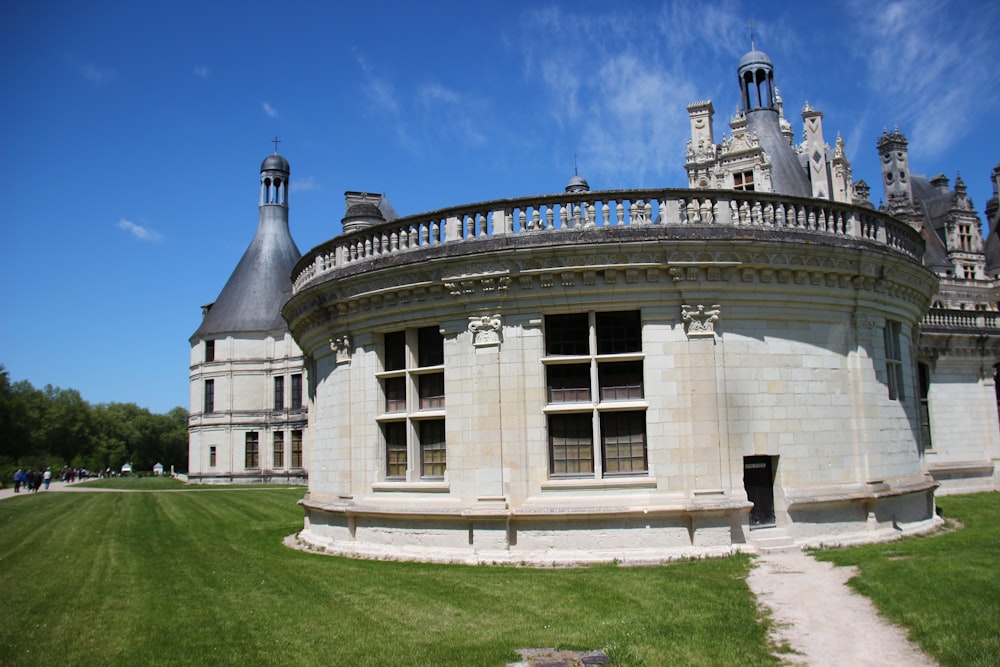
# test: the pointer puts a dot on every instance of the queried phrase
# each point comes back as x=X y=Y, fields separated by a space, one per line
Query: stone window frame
x=412 y=396
x=583 y=352
x=209 y=351
x=212 y=456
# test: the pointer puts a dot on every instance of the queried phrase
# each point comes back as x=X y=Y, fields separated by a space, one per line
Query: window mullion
x=595 y=398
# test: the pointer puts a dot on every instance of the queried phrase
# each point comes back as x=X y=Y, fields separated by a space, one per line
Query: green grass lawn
x=202 y=578
x=945 y=589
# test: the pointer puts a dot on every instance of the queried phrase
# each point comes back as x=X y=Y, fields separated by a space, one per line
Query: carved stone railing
x=968 y=321
x=566 y=212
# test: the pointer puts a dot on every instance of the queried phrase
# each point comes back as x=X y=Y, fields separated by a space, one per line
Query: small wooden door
x=758 y=479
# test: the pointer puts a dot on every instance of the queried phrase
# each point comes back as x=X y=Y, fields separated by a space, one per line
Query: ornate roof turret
x=577 y=183
x=760 y=104
x=252 y=298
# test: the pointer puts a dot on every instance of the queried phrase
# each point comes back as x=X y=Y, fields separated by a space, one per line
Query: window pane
x=571 y=445
x=430 y=346
x=297 y=391
x=395 y=449
x=431 y=391
x=296 y=449
x=279 y=393
x=209 y=395
x=395 y=394
x=567 y=334
x=432 y=448
x=209 y=350
x=279 y=450
x=568 y=383
x=623 y=442
x=619 y=333
x=395 y=351
x=251 y=453
x=211 y=457
x=893 y=360
x=620 y=381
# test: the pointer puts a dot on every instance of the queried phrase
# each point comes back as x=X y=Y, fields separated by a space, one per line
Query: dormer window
x=743 y=180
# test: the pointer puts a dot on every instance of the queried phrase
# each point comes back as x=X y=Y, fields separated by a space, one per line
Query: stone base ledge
x=961 y=468
x=440 y=511
x=304 y=541
x=854 y=493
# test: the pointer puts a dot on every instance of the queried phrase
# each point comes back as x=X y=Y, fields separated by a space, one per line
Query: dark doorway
x=758 y=479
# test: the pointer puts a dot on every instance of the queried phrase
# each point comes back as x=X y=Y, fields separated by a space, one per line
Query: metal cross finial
x=576 y=172
x=276 y=141
x=752 y=46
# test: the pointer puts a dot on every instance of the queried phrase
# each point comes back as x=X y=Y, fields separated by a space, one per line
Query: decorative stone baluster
x=606 y=214
x=549 y=218
x=620 y=213
x=591 y=214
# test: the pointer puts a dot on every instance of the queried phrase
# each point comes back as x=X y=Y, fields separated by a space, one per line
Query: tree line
x=55 y=428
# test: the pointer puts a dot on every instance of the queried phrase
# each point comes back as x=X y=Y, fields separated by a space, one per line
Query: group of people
x=32 y=480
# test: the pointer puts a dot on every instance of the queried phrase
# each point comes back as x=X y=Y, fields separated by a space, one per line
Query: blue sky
x=135 y=131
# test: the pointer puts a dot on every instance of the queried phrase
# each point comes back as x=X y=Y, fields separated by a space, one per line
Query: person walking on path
x=19 y=476
x=47 y=478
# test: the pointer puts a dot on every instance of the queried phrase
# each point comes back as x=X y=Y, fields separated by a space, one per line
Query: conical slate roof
x=252 y=299
x=787 y=175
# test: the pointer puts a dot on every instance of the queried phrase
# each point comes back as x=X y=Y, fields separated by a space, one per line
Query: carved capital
x=341 y=345
x=700 y=322
x=485 y=330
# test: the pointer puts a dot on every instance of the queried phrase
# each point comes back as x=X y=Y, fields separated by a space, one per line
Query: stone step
x=772 y=540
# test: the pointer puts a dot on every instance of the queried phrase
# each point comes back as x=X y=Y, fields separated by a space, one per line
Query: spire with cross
x=276 y=141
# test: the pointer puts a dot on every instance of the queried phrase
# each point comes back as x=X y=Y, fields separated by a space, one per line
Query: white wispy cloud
x=202 y=72
x=95 y=74
x=622 y=98
x=303 y=184
x=138 y=231
x=269 y=110
x=380 y=99
x=438 y=102
x=932 y=65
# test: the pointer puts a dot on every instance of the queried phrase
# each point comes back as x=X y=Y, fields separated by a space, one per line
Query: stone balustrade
x=941 y=319
x=569 y=212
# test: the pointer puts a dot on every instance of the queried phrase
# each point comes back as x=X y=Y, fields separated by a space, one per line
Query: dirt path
x=822 y=620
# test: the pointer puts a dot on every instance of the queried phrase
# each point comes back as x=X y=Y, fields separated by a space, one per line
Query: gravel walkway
x=822 y=620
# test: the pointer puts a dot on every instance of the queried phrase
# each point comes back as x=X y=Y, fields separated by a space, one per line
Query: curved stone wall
x=756 y=345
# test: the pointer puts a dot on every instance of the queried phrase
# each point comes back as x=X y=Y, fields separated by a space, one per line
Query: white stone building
x=249 y=406
x=640 y=375
x=764 y=358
